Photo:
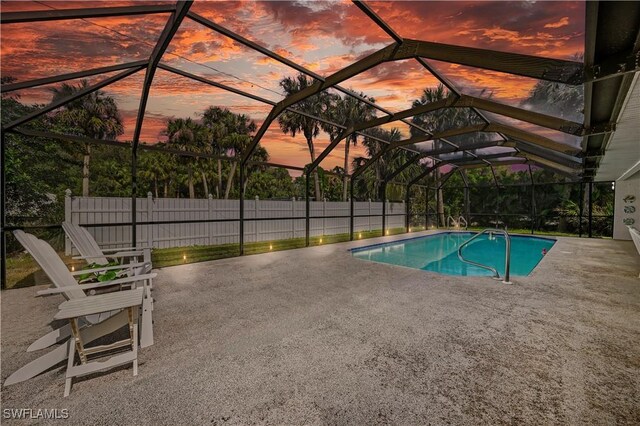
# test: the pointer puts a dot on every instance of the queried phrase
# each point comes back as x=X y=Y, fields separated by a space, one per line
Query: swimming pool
x=439 y=253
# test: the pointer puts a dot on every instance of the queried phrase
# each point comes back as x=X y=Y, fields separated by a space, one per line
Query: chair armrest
x=108 y=268
x=119 y=281
x=125 y=254
x=118 y=255
x=125 y=249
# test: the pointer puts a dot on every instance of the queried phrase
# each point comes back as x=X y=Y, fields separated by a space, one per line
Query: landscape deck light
x=270 y=246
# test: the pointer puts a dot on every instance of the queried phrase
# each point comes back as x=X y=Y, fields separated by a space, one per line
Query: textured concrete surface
x=314 y=336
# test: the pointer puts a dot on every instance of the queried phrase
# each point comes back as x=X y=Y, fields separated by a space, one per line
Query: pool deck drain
x=317 y=336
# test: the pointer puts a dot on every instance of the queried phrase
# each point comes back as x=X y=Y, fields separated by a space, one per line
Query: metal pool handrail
x=462 y=219
x=507 y=257
x=456 y=223
x=449 y=220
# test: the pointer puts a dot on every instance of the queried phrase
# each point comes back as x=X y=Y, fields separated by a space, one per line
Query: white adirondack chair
x=92 y=326
x=90 y=251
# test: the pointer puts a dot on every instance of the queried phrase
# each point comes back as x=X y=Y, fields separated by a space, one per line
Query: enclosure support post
x=467 y=209
x=3 y=237
x=581 y=209
x=407 y=207
x=384 y=207
x=307 y=209
x=134 y=191
x=241 y=226
x=426 y=208
x=351 y=205
x=533 y=208
x=590 y=209
x=437 y=210
x=533 y=201
x=495 y=180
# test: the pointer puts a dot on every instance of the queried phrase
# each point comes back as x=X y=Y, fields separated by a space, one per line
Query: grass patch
x=192 y=254
x=23 y=271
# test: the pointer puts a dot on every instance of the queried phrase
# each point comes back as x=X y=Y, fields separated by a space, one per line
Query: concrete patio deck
x=316 y=336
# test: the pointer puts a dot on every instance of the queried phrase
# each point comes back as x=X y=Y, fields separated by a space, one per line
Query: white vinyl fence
x=162 y=211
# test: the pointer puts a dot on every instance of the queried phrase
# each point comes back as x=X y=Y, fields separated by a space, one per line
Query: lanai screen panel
x=43 y=49
x=394 y=85
x=555 y=99
x=321 y=36
x=548 y=29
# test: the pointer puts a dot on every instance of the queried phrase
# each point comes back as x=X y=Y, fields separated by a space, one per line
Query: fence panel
x=165 y=215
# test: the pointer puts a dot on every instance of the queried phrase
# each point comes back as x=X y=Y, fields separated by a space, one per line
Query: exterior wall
x=626 y=188
x=106 y=210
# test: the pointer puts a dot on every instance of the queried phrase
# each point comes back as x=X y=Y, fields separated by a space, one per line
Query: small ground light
x=73 y=268
x=387 y=232
x=184 y=257
x=320 y=240
x=270 y=246
x=359 y=235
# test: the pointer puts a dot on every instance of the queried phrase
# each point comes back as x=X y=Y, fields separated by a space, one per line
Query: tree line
x=39 y=170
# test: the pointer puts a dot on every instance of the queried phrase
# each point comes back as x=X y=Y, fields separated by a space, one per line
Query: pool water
x=439 y=253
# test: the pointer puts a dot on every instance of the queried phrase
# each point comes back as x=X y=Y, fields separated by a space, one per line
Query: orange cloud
x=561 y=23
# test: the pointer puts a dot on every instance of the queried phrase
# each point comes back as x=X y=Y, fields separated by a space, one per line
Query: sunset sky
x=323 y=36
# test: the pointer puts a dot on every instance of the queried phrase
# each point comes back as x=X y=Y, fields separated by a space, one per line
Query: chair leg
x=58 y=355
x=69 y=379
x=146 y=323
x=134 y=337
x=56 y=336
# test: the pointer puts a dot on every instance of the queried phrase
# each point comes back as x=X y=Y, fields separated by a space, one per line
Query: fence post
x=324 y=213
x=351 y=219
x=210 y=225
x=149 y=219
x=67 y=218
x=255 y=215
x=293 y=214
x=369 y=217
x=405 y=204
x=384 y=215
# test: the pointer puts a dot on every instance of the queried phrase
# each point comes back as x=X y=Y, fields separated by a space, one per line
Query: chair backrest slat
x=51 y=263
x=85 y=243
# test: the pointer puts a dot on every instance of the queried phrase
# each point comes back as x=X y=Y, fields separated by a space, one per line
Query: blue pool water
x=439 y=253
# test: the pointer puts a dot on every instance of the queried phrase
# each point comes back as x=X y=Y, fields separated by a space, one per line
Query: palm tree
x=293 y=124
x=388 y=162
x=259 y=155
x=348 y=111
x=217 y=119
x=236 y=142
x=187 y=135
x=94 y=115
x=156 y=168
x=230 y=134
x=440 y=120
